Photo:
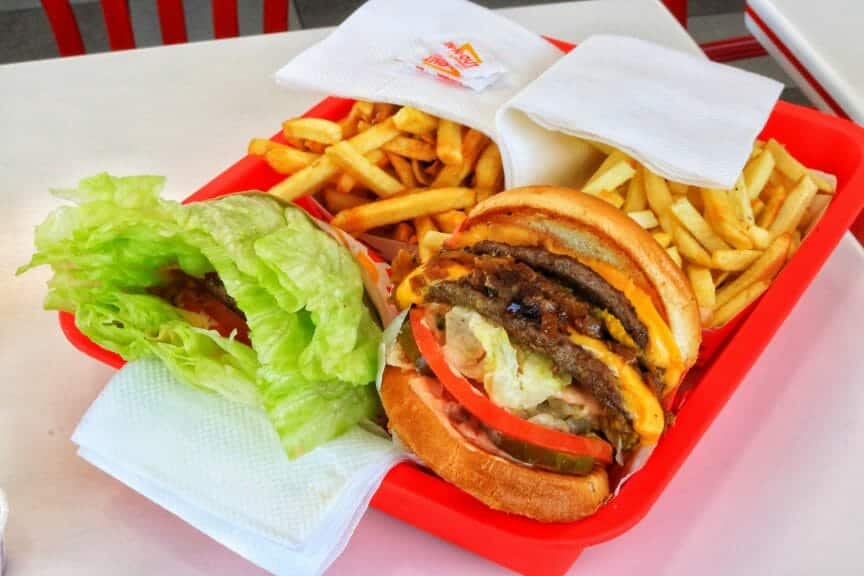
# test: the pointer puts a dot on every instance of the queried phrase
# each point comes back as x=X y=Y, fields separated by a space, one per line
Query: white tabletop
x=771 y=489
x=825 y=36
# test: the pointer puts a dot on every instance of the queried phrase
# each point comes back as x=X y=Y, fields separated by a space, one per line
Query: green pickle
x=545 y=458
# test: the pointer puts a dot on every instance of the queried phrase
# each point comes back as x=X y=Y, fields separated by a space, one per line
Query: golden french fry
x=795 y=243
x=423 y=178
x=678 y=188
x=721 y=215
x=703 y=288
x=689 y=247
x=363 y=125
x=403 y=170
x=452 y=175
x=314 y=147
x=260 y=146
x=382 y=112
x=761 y=237
x=612 y=197
x=757 y=171
x=414 y=121
x=740 y=200
x=690 y=218
x=612 y=173
x=645 y=218
x=449 y=147
x=635 y=201
x=313 y=129
x=403 y=207
x=662 y=238
x=287 y=160
x=411 y=148
x=794 y=206
x=362 y=170
x=429 y=138
x=738 y=303
x=335 y=201
x=363 y=110
x=307 y=181
x=374 y=137
x=611 y=160
x=763 y=269
x=346 y=183
x=403 y=232
x=489 y=172
x=814 y=212
x=676 y=257
x=424 y=225
x=774 y=199
x=825 y=185
x=657 y=193
x=733 y=260
x=793 y=169
x=430 y=244
x=757 y=206
x=449 y=221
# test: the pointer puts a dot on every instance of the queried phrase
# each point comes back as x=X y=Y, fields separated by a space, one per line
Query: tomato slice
x=493 y=415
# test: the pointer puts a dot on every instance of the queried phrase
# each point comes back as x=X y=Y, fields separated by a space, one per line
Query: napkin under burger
x=241 y=295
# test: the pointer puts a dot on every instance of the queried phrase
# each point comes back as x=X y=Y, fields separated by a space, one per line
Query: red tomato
x=493 y=415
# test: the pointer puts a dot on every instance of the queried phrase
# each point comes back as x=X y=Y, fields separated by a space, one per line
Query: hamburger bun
x=417 y=416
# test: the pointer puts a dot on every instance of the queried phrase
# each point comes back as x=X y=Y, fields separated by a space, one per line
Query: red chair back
x=172 y=22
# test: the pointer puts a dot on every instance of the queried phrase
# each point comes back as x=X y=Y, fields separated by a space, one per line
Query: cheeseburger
x=541 y=343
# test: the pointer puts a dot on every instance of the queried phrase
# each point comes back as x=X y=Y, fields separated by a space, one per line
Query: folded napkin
x=375 y=53
x=220 y=467
x=687 y=118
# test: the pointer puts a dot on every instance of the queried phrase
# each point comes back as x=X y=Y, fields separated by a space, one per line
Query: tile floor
x=25 y=34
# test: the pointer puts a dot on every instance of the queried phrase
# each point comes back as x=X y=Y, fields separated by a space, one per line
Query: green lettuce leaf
x=314 y=341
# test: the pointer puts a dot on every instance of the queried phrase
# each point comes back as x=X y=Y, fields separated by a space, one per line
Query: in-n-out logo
x=456 y=60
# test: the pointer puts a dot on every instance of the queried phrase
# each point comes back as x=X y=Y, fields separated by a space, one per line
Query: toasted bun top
x=589 y=228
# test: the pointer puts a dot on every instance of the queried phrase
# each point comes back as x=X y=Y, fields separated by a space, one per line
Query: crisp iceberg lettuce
x=314 y=341
x=513 y=378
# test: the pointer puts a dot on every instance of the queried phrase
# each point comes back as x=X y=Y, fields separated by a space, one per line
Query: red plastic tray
x=418 y=497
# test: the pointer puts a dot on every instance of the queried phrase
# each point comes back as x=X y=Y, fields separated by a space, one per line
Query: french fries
x=314 y=129
x=376 y=168
x=449 y=147
x=361 y=169
x=403 y=207
x=409 y=176
x=414 y=121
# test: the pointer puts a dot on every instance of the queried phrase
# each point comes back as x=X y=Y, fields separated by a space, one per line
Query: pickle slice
x=544 y=458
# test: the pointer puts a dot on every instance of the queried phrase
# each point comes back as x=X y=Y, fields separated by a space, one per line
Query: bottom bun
x=416 y=410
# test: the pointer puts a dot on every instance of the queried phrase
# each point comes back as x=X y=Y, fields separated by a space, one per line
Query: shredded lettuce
x=514 y=378
x=313 y=358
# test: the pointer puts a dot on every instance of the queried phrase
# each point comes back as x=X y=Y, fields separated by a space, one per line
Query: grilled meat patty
x=576 y=276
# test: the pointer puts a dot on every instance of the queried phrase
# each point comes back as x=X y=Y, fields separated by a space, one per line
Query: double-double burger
x=540 y=346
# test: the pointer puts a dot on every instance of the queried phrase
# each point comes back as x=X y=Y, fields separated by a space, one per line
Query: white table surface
x=774 y=487
x=825 y=36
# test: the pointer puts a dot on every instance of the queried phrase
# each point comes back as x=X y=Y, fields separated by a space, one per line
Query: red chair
x=171 y=21
x=724 y=50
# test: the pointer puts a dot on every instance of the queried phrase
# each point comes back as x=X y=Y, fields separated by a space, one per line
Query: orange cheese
x=639 y=401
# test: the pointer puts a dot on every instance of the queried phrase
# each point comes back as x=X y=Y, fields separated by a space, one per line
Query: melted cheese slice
x=406 y=294
x=639 y=401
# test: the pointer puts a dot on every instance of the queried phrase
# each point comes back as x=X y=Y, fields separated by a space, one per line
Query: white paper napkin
x=687 y=118
x=220 y=467
x=364 y=58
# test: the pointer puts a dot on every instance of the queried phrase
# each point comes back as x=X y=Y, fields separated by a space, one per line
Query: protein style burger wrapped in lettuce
x=242 y=296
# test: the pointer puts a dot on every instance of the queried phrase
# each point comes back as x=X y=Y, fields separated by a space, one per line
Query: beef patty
x=576 y=276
